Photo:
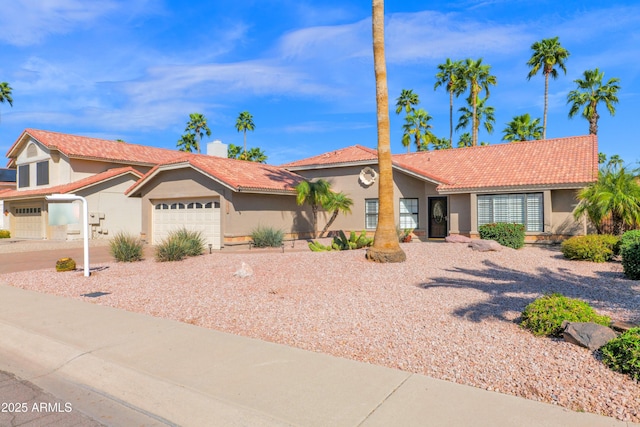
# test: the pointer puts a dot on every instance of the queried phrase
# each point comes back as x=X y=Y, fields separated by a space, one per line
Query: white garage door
x=203 y=216
x=27 y=222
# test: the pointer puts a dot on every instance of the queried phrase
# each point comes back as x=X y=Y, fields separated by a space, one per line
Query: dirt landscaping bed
x=447 y=312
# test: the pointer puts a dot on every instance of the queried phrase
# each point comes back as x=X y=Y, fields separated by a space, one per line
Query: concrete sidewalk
x=123 y=369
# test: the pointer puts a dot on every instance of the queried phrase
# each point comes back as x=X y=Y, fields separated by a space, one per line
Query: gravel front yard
x=448 y=312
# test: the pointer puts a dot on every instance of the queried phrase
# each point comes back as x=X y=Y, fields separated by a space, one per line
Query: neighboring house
x=455 y=191
x=99 y=170
x=150 y=191
x=7 y=182
x=144 y=191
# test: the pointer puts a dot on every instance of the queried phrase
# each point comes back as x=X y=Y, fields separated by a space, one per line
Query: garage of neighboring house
x=28 y=221
x=201 y=215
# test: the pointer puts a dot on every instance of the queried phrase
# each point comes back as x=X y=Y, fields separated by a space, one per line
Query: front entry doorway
x=438 y=224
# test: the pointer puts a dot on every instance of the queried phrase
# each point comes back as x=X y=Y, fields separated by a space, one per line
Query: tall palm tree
x=386 y=247
x=484 y=114
x=314 y=193
x=406 y=101
x=195 y=130
x=522 y=128
x=616 y=193
x=449 y=76
x=243 y=124
x=5 y=93
x=441 y=143
x=417 y=127
x=336 y=203
x=187 y=142
x=479 y=78
x=465 y=140
x=590 y=93
x=547 y=55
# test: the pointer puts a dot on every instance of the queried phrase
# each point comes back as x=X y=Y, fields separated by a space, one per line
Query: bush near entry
x=5 y=234
x=631 y=260
x=507 y=234
x=593 y=247
x=545 y=315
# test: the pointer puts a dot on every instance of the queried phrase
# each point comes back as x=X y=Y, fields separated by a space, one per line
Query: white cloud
x=29 y=22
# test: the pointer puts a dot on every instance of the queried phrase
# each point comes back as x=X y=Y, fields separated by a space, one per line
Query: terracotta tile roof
x=352 y=154
x=72 y=186
x=75 y=146
x=571 y=161
x=239 y=175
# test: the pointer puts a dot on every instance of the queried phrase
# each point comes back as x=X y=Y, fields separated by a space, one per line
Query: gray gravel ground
x=447 y=312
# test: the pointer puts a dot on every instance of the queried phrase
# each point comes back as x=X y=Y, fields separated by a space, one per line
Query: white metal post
x=85 y=225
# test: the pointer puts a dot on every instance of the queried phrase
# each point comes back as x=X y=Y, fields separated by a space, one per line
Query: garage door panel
x=27 y=222
x=202 y=216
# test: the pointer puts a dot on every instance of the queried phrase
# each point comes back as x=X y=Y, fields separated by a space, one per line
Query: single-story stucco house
x=149 y=191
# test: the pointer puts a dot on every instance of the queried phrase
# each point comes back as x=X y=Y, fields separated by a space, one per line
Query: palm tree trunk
x=474 y=130
x=386 y=247
x=451 y=118
x=593 y=122
x=314 y=212
x=334 y=215
x=546 y=105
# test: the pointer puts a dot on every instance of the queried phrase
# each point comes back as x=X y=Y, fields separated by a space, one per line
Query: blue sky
x=135 y=69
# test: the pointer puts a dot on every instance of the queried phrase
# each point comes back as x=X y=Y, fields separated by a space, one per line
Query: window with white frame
x=526 y=209
x=408 y=213
x=371 y=213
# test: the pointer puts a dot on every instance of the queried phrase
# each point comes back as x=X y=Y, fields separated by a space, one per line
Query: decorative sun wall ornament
x=368 y=176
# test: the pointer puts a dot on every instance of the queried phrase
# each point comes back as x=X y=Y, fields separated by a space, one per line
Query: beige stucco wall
x=459 y=214
x=248 y=211
x=562 y=221
x=346 y=179
x=240 y=213
x=121 y=213
x=83 y=168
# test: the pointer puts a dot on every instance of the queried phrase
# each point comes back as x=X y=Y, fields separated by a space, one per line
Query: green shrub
x=341 y=243
x=593 y=247
x=631 y=236
x=631 y=260
x=180 y=244
x=192 y=241
x=5 y=234
x=126 y=248
x=622 y=354
x=545 y=315
x=170 y=250
x=507 y=234
x=264 y=237
x=65 y=264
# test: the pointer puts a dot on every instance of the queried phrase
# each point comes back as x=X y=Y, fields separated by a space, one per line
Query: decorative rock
x=244 y=271
x=65 y=264
x=485 y=245
x=587 y=334
x=621 y=326
x=457 y=238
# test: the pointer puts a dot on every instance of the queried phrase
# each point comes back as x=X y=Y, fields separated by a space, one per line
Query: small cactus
x=65 y=264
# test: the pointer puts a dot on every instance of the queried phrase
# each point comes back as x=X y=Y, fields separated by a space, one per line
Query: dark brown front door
x=438 y=217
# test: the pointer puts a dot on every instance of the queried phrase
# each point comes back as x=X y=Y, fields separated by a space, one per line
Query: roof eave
x=317 y=166
x=512 y=188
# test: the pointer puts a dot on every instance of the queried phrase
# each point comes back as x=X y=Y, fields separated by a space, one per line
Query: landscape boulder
x=245 y=270
x=481 y=245
x=587 y=334
x=457 y=238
